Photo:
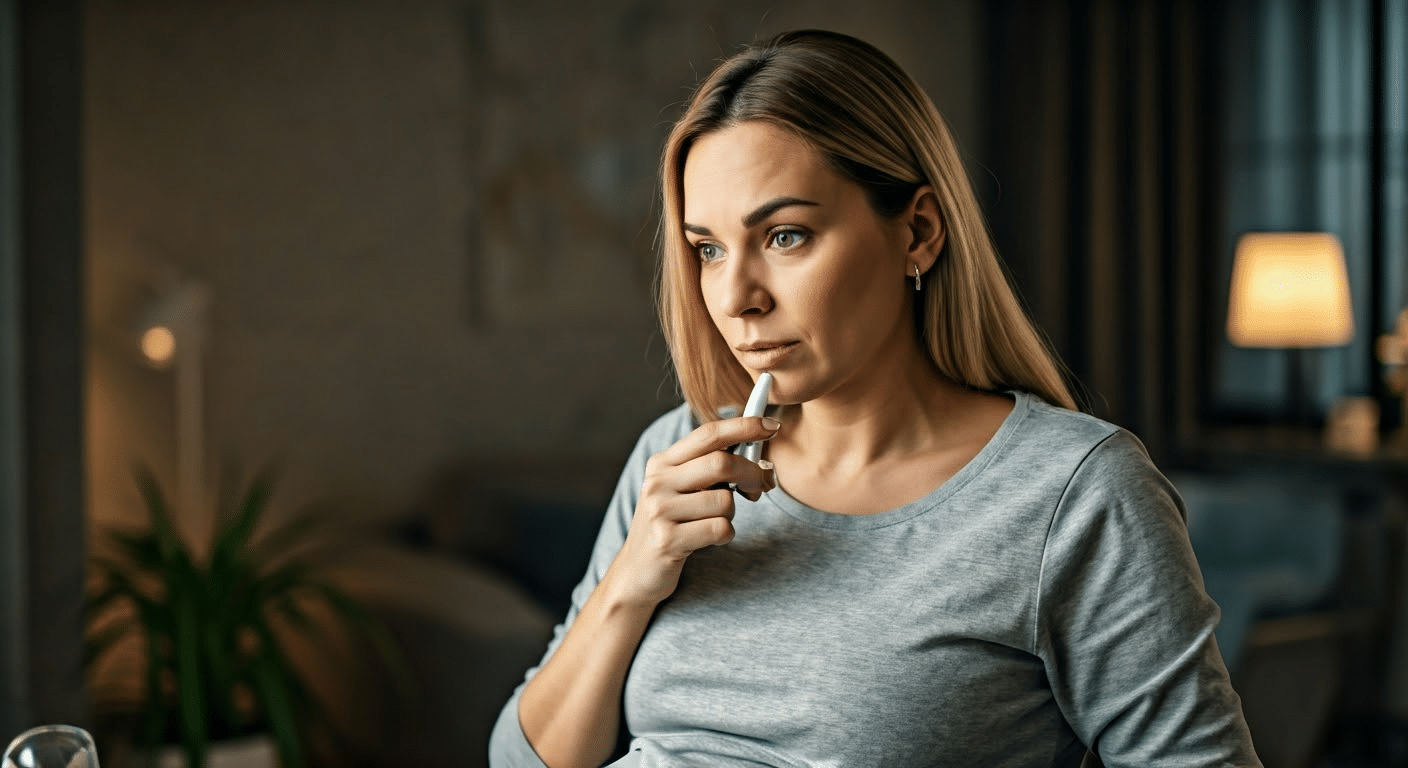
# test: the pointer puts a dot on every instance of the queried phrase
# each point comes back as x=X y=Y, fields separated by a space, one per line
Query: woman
x=938 y=561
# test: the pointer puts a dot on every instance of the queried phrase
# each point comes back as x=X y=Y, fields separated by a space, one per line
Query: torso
x=894 y=638
x=942 y=631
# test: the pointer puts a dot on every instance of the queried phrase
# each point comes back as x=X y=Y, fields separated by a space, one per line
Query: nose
x=739 y=286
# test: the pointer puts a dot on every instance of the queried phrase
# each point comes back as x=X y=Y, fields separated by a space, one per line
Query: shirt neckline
x=837 y=521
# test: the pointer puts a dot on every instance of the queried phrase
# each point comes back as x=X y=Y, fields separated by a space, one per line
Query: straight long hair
x=874 y=125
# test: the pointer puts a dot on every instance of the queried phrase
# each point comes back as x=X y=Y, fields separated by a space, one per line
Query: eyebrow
x=758 y=215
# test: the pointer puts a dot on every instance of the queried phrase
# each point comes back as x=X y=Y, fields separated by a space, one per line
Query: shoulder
x=1061 y=429
x=1106 y=478
x=1079 y=442
x=1089 y=463
x=1056 y=444
x=665 y=431
x=1116 y=516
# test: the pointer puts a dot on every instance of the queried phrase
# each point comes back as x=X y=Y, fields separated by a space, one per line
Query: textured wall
x=426 y=225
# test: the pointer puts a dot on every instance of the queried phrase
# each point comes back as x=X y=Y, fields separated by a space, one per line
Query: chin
x=789 y=388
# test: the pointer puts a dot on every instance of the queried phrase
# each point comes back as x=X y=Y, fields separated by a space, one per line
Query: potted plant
x=216 y=667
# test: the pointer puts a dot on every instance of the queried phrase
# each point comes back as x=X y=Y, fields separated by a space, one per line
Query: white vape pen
x=757 y=404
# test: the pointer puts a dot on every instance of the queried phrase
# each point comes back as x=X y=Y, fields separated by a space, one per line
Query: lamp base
x=1300 y=407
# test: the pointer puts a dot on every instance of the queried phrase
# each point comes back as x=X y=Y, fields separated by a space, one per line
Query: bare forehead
x=735 y=168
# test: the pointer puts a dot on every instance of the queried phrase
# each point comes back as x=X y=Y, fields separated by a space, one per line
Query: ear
x=925 y=223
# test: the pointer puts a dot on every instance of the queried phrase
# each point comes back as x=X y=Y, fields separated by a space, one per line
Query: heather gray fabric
x=1042 y=599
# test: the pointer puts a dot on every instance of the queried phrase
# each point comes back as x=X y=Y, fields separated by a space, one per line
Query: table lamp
x=1290 y=290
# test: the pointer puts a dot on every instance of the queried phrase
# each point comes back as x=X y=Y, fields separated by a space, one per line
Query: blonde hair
x=873 y=125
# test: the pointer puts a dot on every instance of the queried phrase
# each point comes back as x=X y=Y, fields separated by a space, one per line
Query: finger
x=767 y=481
x=717 y=435
x=715 y=469
x=700 y=505
x=709 y=532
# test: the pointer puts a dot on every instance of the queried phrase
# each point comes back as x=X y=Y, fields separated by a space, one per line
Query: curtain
x=1127 y=147
x=1100 y=181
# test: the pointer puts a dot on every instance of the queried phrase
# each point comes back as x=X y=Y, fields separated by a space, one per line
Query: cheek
x=850 y=296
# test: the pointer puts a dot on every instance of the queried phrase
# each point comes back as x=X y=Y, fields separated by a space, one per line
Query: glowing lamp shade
x=1289 y=289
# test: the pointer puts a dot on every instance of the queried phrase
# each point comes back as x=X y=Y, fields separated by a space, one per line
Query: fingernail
x=769 y=473
x=771 y=424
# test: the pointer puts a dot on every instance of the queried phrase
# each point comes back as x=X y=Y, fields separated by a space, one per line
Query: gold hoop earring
x=917 y=284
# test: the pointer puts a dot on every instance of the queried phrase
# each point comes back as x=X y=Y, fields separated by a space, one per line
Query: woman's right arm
x=570 y=709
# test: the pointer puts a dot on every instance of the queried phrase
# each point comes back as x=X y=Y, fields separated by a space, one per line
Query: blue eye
x=787 y=238
x=708 y=252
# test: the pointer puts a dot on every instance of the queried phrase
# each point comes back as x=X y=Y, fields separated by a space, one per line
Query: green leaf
x=284 y=580
x=295 y=533
x=275 y=684
x=233 y=540
x=189 y=685
x=97 y=645
x=163 y=529
x=156 y=700
x=118 y=587
x=142 y=548
x=218 y=651
x=287 y=607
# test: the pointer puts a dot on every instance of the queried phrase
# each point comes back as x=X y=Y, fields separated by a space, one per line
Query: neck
x=908 y=407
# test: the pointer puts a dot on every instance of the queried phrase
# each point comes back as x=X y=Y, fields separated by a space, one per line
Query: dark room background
x=425 y=229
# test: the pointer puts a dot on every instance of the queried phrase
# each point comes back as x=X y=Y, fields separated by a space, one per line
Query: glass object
x=51 y=746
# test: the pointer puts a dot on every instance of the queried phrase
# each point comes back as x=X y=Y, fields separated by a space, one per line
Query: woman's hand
x=685 y=504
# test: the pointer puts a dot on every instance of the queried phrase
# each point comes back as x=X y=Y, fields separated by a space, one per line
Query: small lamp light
x=159 y=345
x=1290 y=290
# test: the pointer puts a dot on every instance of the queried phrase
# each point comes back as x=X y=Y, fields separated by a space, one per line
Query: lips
x=759 y=346
x=761 y=355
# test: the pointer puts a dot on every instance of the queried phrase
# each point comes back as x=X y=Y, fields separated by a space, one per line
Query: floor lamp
x=173 y=338
x=1290 y=290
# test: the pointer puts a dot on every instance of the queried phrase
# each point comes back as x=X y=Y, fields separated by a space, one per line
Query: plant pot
x=249 y=752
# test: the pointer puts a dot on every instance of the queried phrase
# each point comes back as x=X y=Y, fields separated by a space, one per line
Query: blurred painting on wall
x=568 y=214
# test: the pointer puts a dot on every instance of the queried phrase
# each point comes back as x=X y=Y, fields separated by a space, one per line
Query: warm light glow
x=1289 y=289
x=159 y=344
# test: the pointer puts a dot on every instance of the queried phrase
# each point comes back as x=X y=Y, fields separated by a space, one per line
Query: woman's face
x=801 y=277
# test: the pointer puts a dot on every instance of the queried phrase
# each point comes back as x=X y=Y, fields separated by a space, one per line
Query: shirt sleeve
x=1124 y=625
x=508 y=747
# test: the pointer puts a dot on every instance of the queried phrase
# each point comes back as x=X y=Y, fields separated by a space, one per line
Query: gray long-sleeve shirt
x=1042 y=599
